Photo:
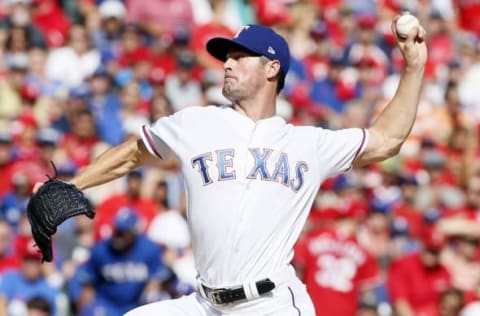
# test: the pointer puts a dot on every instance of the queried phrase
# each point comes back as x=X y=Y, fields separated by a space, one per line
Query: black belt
x=225 y=296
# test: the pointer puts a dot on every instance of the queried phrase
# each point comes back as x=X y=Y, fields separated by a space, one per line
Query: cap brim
x=218 y=47
x=123 y=227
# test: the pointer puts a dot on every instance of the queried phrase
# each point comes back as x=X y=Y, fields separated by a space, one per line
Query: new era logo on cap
x=271 y=50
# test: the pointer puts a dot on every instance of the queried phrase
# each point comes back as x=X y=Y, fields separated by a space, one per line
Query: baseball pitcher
x=250 y=177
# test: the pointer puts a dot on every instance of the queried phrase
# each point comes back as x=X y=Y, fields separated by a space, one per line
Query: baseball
x=405 y=23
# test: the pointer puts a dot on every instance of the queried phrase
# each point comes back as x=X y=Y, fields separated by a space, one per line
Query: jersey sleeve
x=337 y=150
x=161 y=138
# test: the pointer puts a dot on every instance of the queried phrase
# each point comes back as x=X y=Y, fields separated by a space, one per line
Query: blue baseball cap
x=257 y=39
x=125 y=219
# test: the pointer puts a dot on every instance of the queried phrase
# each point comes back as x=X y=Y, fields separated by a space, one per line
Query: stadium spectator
x=47 y=140
x=107 y=37
x=366 y=47
x=332 y=91
x=8 y=258
x=441 y=44
x=123 y=271
x=163 y=61
x=10 y=101
x=470 y=68
x=161 y=16
x=368 y=306
x=406 y=208
x=6 y=162
x=425 y=270
x=134 y=110
x=181 y=88
x=38 y=306
x=14 y=204
x=139 y=72
x=70 y=65
x=132 y=47
x=80 y=143
x=334 y=266
x=25 y=136
x=373 y=235
x=36 y=77
x=132 y=197
x=73 y=244
x=304 y=110
x=201 y=33
x=160 y=107
x=451 y=302
x=466 y=12
x=461 y=260
x=18 y=42
x=19 y=14
x=340 y=20
x=271 y=12
x=68 y=106
x=106 y=106
x=317 y=62
x=49 y=17
x=18 y=286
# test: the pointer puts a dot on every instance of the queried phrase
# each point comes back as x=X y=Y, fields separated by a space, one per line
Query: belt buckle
x=215 y=297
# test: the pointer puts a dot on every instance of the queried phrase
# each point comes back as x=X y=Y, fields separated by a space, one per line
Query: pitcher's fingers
x=36 y=187
x=422 y=34
x=413 y=35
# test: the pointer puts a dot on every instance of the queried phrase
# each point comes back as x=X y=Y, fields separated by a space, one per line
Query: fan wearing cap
x=317 y=61
x=112 y=18
x=251 y=178
x=124 y=271
x=28 y=281
x=47 y=140
x=365 y=48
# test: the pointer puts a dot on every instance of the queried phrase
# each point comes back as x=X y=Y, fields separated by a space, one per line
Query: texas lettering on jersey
x=224 y=159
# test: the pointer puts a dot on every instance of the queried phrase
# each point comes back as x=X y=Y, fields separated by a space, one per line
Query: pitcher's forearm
x=396 y=120
x=110 y=165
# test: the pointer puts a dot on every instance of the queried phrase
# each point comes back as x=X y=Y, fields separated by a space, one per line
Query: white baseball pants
x=288 y=298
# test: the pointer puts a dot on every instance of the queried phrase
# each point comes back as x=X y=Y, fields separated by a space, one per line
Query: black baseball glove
x=53 y=203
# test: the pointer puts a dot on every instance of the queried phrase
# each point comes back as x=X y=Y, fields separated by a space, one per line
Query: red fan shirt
x=336 y=268
x=410 y=280
x=468 y=12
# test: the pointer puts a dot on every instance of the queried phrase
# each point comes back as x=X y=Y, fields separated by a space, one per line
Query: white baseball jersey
x=250 y=185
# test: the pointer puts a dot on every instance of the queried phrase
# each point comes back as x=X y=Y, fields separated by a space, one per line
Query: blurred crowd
x=399 y=238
